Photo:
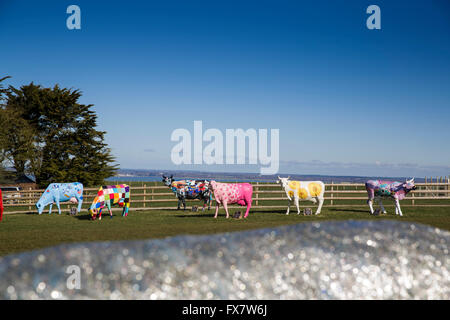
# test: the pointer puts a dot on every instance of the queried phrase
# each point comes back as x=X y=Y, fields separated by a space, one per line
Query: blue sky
x=347 y=100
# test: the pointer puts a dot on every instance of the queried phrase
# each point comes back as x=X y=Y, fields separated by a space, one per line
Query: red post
x=1 y=206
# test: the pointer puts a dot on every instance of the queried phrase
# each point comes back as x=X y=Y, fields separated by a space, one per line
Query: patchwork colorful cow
x=229 y=193
x=189 y=189
x=303 y=190
x=378 y=189
x=61 y=192
x=109 y=196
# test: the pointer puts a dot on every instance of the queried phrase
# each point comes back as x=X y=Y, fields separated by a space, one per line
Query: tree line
x=47 y=133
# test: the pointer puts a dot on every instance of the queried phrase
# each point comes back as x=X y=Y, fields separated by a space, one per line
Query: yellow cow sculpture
x=303 y=190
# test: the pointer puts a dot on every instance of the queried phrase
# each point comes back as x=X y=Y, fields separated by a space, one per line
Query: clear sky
x=347 y=100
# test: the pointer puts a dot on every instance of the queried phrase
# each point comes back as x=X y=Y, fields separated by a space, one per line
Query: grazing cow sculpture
x=109 y=196
x=229 y=193
x=378 y=189
x=189 y=189
x=303 y=190
x=61 y=192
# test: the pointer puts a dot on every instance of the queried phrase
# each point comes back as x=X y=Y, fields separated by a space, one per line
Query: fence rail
x=266 y=195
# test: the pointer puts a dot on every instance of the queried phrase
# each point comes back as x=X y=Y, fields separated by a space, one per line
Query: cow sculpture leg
x=209 y=200
x=50 y=208
x=59 y=207
x=249 y=205
x=80 y=202
x=206 y=201
x=125 y=210
x=380 y=203
x=397 y=208
x=217 y=209
x=108 y=204
x=297 y=205
x=289 y=205
x=181 y=200
x=319 y=209
x=204 y=204
x=225 y=206
x=370 y=203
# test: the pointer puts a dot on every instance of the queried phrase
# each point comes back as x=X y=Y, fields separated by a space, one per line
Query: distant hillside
x=187 y=174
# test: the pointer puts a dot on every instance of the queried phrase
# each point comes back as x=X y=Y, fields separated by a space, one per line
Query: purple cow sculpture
x=229 y=193
x=378 y=189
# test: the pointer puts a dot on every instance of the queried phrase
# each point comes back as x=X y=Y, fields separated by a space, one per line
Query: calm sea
x=158 y=178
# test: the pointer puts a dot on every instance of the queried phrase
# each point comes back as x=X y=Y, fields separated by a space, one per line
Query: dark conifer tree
x=66 y=145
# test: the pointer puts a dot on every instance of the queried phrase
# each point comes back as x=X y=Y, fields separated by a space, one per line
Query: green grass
x=24 y=232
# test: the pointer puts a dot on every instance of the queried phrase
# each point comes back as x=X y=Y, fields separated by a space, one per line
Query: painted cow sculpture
x=109 y=196
x=303 y=190
x=189 y=189
x=61 y=192
x=229 y=193
x=379 y=189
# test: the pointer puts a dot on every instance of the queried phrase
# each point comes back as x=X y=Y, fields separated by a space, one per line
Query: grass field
x=24 y=232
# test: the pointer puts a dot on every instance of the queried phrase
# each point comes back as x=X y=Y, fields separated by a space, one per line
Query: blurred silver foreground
x=331 y=260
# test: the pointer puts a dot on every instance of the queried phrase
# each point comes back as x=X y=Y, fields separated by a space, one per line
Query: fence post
x=257 y=193
x=430 y=186
x=145 y=191
x=29 y=196
x=332 y=194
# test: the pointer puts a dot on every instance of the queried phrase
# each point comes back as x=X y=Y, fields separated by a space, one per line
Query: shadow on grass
x=63 y=213
x=85 y=216
x=188 y=210
x=283 y=212
x=222 y=213
x=201 y=215
x=349 y=210
x=55 y=213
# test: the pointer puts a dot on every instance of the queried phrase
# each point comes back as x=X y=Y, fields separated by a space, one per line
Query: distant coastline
x=144 y=175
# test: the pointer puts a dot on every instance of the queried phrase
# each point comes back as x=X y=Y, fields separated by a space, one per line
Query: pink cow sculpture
x=229 y=193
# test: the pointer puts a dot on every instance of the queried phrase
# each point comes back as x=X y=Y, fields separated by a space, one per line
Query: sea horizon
x=152 y=175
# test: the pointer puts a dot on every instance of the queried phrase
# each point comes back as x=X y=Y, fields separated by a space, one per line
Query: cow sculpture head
x=167 y=180
x=93 y=212
x=283 y=181
x=40 y=206
x=409 y=185
x=211 y=185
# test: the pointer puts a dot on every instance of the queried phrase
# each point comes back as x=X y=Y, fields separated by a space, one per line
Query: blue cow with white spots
x=61 y=192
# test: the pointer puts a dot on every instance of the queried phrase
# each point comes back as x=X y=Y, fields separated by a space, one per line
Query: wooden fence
x=155 y=196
